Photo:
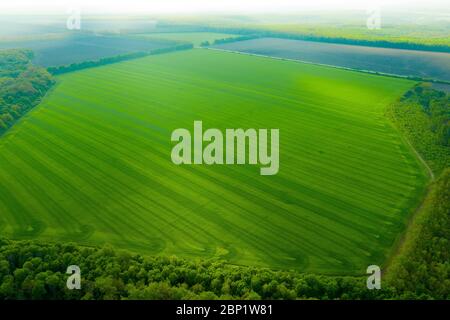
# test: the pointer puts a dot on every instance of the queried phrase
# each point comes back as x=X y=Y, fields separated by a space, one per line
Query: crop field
x=78 y=48
x=423 y=64
x=195 y=38
x=92 y=163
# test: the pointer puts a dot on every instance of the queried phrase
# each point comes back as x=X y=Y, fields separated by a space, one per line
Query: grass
x=196 y=38
x=92 y=163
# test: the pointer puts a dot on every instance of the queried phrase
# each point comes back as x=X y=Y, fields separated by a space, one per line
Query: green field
x=196 y=38
x=92 y=163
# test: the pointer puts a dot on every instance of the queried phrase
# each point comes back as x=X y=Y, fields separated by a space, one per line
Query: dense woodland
x=35 y=270
x=422 y=269
x=423 y=116
x=22 y=85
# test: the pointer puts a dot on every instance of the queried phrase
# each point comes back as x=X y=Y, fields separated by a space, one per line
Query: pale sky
x=193 y=6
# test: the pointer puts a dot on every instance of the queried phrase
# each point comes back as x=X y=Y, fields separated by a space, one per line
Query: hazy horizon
x=219 y=6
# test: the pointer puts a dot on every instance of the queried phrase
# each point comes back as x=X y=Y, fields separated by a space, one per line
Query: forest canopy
x=22 y=85
x=423 y=117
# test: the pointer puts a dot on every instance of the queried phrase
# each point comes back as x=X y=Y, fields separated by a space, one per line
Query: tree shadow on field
x=84 y=232
x=32 y=230
x=151 y=245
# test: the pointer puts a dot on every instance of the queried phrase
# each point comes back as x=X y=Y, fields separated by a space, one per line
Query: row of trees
x=229 y=40
x=262 y=32
x=22 y=85
x=36 y=270
x=114 y=59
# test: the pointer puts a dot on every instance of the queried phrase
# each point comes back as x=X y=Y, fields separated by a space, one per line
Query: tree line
x=264 y=33
x=229 y=40
x=22 y=85
x=118 y=58
x=37 y=270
